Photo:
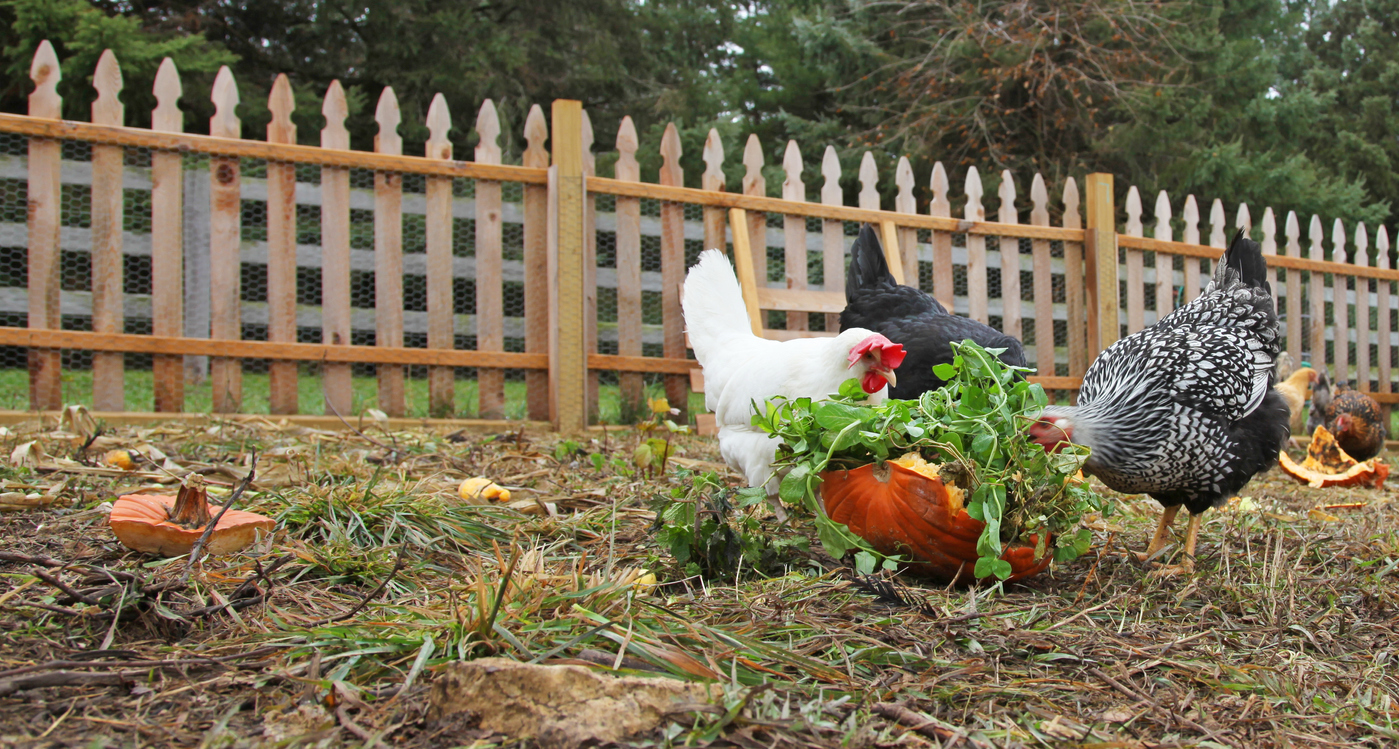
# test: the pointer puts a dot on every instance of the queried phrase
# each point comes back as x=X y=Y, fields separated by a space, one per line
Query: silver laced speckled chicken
x=1185 y=410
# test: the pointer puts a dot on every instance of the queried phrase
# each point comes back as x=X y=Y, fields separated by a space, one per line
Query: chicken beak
x=888 y=375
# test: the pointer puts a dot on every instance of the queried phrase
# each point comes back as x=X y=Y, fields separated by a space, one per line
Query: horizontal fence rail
x=433 y=286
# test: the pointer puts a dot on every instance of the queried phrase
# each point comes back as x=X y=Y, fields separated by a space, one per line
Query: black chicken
x=906 y=315
x=1185 y=410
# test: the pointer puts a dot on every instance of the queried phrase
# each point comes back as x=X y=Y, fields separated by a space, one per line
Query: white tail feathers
x=715 y=314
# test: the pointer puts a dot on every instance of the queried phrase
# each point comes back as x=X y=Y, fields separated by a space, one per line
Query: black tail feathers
x=868 y=267
x=1245 y=257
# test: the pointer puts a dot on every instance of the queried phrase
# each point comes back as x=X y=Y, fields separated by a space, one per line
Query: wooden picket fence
x=1068 y=290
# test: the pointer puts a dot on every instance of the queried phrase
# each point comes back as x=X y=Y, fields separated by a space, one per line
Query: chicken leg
x=1187 y=561
x=1163 y=533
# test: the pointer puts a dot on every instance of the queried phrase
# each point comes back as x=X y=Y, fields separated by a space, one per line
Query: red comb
x=891 y=354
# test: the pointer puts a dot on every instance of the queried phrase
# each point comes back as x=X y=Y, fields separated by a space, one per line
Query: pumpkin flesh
x=909 y=511
x=1328 y=465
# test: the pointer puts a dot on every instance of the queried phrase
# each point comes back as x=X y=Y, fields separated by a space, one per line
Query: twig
x=922 y=725
x=350 y=725
x=67 y=679
x=397 y=565
x=57 y=583
x=237 y=494
x=1153 y=705
x=173 y=663
x=239 y=598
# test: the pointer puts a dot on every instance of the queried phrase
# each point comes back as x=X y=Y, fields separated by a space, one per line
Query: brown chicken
x=1294 y=390
x=1354 y=417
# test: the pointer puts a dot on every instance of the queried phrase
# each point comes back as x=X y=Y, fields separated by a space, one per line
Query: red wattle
x=872 y=382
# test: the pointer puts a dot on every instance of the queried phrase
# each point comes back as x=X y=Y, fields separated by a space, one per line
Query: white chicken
x=741 y=369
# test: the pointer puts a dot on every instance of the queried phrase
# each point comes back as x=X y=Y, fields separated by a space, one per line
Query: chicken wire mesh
x=76 y=208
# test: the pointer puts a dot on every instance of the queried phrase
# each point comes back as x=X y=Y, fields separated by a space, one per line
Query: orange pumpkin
x=1327 y=465
x=169 y=526
x=902 y=511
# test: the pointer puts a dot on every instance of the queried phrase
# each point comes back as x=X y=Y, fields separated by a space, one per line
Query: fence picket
x=1292 y=279
x=944 y=287
x=1382 y=298
x=335 y=253
x=1165 y=265
x=388 y=254
x=1074 y=281
x=225 y=265
x=908 y=236
x=832 y=232
x=536 y=231
x=1136 y=285
x=976 y=251
x=715 y=217
x=441 y=381
x=1340 y=305
x=45 y=310
x=1242 y=219
x=490 y=304
x=281 y=250
x=754 y=183
x=673 y=269
x=590 y=392
x=1191 y=217
x=167 y=241
x=108 y=368
x=632 y=386
x=1043 y=280
x=1362 y=310
x=794 y=230
x=1318 y=296
x=1010 y=259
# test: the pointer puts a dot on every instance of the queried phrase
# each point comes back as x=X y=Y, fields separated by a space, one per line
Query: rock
x=559 y=706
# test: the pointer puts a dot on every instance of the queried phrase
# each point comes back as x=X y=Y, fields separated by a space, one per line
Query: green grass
x=140 y=395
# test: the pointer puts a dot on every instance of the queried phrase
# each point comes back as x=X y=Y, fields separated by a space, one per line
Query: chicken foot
x=1163 y=533
x=1187 y=562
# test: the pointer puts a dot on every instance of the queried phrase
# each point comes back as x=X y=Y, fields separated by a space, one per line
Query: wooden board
x=536 y=230
x=673 y=270
x=440 y=306
x=108 y=369
x=225 y=235
x=388 y=255
x=628 y=216
x=490 y=305
x=335 y=254
x=281 y=251
x=167 y=242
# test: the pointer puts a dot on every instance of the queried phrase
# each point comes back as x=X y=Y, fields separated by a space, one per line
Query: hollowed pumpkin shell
x=142 y=523
x=900 y=511
x=1328 y=465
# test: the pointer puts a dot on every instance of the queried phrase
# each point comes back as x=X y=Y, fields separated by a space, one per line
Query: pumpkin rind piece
x=1327 y=465
x=142 y=523
x=901 y=511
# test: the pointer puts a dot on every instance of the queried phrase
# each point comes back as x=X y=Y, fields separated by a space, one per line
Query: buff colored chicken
x=1295 y=390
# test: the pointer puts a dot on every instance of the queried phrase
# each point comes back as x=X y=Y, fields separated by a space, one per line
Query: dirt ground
x=335 y=631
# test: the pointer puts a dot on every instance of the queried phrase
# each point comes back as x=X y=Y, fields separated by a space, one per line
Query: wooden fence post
x=1010 y=259
x=167 y=242
x=225 y=263
x=1340 y=306
x=943 y=285
x=1382 y=297
x=904 y=202
x=536 y=248
x=1362 y=309
x=590 y=266
x=568 y=354
x=490 y=306
x=1101 y=250
x=335 y=253
x=1075 y=287
x=794 y=231
x=1044 y=280
x=755 y=184
x=282 y=396
x=441 y=332
x=388 y=254
x=977 y=294
x=832 y=232
x=108 y=368
x=631 y=385
x=45 y=378
x=1165 y=265
x=677 y=387
x=1317 y=302
x=1136 y=304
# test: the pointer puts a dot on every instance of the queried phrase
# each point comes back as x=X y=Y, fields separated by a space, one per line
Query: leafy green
x=978 y=421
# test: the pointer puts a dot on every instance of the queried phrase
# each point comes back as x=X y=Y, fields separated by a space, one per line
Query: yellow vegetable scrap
x=480 y=489
x=915 y=462
x=119 y=459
